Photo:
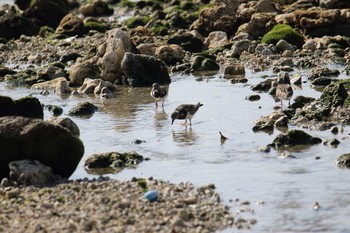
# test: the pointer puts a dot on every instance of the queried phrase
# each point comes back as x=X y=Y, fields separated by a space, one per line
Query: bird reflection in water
x=160 y=118
x=185 y=137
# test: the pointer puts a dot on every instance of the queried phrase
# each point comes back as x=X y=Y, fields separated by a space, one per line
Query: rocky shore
x=85 y=47
x=105 y=205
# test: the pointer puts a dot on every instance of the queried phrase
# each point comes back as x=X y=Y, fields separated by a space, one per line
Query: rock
x=96 y=8
x=71 y=25
x=66 y=123
x=343 y=161
x=26 y=107
x=49 y=85
x=331 y=142
x=322 y=72
x=300 y=101
x=111 y=162
x=111 y=54
x=258 y=25
x=322 y=81
x=283 y=32
x=144 y=70
x=203 y=63
x=310 y=45
x=283 y=46
x=81 y=71
x=170 y=54
x=220 y=17
x=106 y=93
x=253 y=97
x=29 y=172
x=187 y=41
x=334 y=95
x=12 y=26
x=62 y=87
x=89 y=86
x=83 y=109
x=25 y=138
x=282 y=121
x=234 y=70
x=54 y=109
x=216 y=39
x=151 y=195
x=47 y=12
x=295 y=137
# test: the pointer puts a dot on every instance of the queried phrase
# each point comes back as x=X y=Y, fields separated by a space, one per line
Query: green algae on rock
x=112 y=162
x=285 y=32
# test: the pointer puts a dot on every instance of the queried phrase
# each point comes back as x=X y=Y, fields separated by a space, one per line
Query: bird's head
x=199 y=104
x=155 y=85
x=174 y=116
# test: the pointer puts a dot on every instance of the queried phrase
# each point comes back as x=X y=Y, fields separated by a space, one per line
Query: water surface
x=287 y=187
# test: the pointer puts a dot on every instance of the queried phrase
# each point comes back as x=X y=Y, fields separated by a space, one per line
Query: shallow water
x=287 y=187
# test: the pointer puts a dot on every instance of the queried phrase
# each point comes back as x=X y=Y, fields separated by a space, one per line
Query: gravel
x=104 y=205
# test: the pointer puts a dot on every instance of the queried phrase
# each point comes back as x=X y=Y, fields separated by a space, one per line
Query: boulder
x=334 y=95
x=53 y=145
x=48 y=85
x=83 y=109
x=111 y=54
x=204 y=63
x=26 y=107
x=47 y=12
x=216 y=39
x=12 y=26
x=170 y=54
x=144 y=70
x=66 y=123
x=295 y=138
x=283 y=32
x=187 y=41
x=71 y=25
x=95 y=86
x=81 y=71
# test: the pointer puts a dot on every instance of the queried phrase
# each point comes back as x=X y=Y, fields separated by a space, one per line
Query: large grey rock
x=51 y=144
x=81 y=71
x=111 y=54
x=144 y=70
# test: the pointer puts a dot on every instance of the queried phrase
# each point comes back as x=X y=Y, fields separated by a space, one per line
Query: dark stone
x=22 y=4
x=52 y=145
x=188 y=42
x=143 y=70
x=201 y=63
x=26 y=107
x=300 y=101
x=12 y=26
x=47 y=12
x=294 y=138
x=322 y=81
x=4 y=71
x=71 y=25
x=83 y=109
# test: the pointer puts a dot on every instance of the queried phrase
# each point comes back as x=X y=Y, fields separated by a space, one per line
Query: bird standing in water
x=284 y=90
x=185 y=112
x=158 y=93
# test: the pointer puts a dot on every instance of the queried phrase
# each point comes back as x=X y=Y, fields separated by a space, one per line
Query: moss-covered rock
x=97 y=26
x=295 y=138
x=137 y=21
x=285 y=32
x=112 y=162
x=334 y=95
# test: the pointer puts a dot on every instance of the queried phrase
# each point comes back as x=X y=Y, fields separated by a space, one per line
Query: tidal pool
x=280 y=191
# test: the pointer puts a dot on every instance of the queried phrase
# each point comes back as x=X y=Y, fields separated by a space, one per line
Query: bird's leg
x=156 y=103
x=163 y=103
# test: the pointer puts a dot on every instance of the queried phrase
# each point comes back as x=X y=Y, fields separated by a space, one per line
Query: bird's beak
x=172 y=121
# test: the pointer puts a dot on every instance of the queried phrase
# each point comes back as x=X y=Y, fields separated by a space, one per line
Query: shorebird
x=185 y=111
x=284 y=90
x=158 y=93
